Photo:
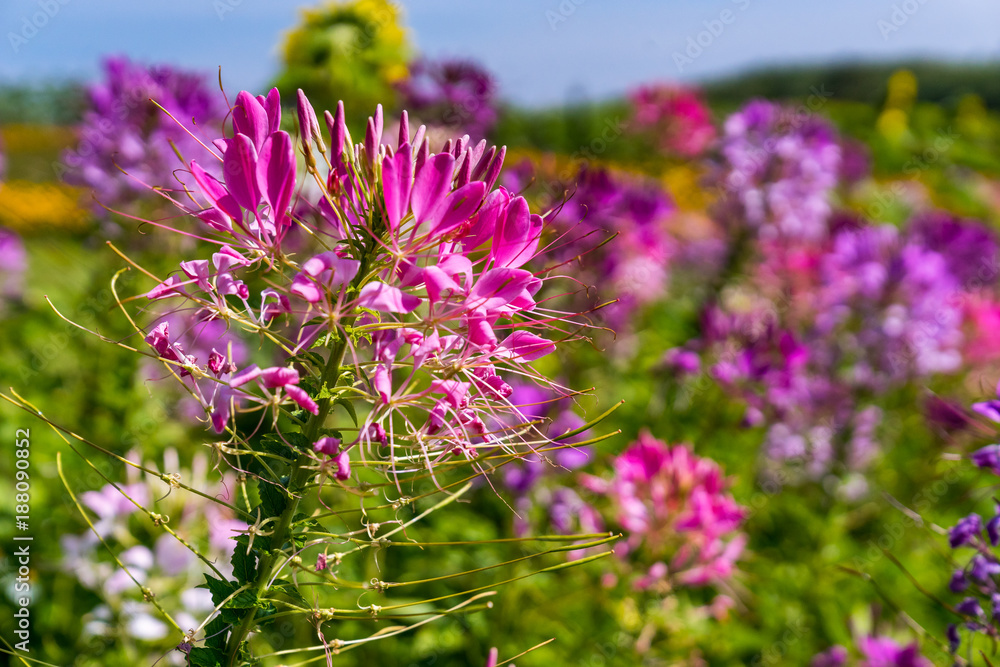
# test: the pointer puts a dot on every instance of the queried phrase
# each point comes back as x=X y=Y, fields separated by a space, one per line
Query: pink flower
x=676 y=503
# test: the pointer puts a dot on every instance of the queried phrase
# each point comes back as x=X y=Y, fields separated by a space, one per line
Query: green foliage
x=352 y=51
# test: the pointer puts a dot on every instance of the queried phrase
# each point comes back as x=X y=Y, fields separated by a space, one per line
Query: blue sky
x=542 y=51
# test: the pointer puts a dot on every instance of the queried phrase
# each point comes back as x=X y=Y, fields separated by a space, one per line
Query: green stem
x=300 y=475
x=298 y=479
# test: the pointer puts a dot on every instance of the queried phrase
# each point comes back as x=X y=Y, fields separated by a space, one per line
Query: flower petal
x=431 y=185
x=382 y=297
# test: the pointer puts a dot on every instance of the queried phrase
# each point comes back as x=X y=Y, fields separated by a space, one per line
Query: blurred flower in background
x=127 y=144
x=677 y=117
x=456 y=94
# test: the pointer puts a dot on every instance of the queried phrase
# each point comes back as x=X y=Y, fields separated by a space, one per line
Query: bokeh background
x=738 y=330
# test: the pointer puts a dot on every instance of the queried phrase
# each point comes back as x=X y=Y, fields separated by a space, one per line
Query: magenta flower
x=674 y=504
x=678 y=116
x=416 y=249
x=884 y=652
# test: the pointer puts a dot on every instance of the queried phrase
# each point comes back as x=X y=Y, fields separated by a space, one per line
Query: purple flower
x=970 y=607
x=780 y=167
x=123 y=131
x=681 y=361
x=965 y=531
x=982 y=568
x=634 y=268
x=958 y=582
x=968 y=246
x=989 y=409
x=457 y=94
x=993 y=529
x=947 y=414
x=987 y=457
x=13 y=264
x=884 y=652
x=954 y=639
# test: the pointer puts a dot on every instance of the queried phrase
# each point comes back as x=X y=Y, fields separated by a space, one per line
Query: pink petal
x=397 y=181
x=272 y=106
x=279 y=376
x=304 y=287
x=382 y=297
x=437 y=283
x=239 y=166
x=250 y=118
x=458 y=207
x=248 y=374
x=382 y=383
x=493 y=171
x=455 y=392
x=276 y=174
x=404 y=129
x=344 y=270
x=525 y=346
x=169 y=287
x=216 y=193
x=516 y=238
x=300 y=396
x=484 y=223
x=308 y=124
x=343 y=461
x=328 y=446
x=455 y=264
x=498 y=287
x=338 y=132
x=480 y=330
x=431 y=185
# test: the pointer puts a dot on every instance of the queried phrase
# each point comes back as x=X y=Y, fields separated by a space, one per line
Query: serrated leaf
x=219 y=588
x=273 y=499
x=216 y=633
x=291 y=590
x=244 y=564
x=222 y=589
x=204 y=656
x=298 y=440
x=273 y=444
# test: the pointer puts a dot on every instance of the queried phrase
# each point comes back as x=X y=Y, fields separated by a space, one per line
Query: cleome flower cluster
x=407 y=264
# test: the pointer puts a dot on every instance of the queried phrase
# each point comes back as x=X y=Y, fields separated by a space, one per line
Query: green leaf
x=349 y=407
x=273 y=444
x=291 y=590
x=216 y=633
x=273 y=498
x=244 y=564
x=311 y=358
x=298 y=440
x=222 y=589
x=206 y=657
x=219 y=588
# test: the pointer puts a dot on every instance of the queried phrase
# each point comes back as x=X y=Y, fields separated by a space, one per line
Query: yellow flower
x=27 y=207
